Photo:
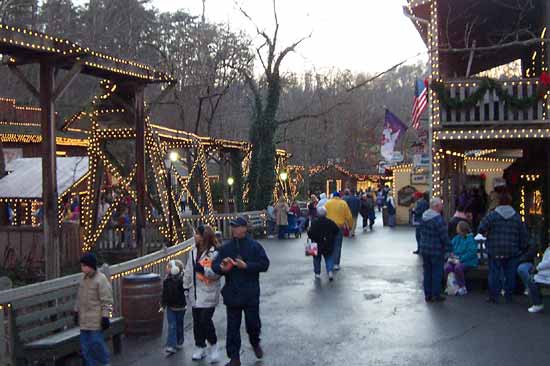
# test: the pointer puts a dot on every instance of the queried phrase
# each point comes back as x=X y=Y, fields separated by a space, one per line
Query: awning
x=25 y=176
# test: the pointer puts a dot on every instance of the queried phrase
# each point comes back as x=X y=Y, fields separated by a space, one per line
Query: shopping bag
x=312 y=249
x=452 y=285
x=345 y=232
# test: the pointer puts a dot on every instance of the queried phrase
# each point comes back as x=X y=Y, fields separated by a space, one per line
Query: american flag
x=420 y=102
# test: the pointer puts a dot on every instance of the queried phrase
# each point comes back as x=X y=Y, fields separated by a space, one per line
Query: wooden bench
x=43 y=328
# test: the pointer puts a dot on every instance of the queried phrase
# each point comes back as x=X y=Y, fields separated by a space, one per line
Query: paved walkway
x=373 y=314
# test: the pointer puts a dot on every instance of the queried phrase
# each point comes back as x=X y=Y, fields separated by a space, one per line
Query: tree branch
x=287 y=50
x=311 y=115
x=526 y=43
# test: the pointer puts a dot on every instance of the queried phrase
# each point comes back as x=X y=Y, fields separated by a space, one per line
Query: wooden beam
x=49 y=174
x=139 y=120
x=30 y=87
x=68 y=80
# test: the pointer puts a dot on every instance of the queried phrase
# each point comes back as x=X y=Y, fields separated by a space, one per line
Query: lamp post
x=173 y=156
x=283 y=176
x=230 y=183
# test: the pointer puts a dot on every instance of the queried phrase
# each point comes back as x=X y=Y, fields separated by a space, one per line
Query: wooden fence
x=151 y=263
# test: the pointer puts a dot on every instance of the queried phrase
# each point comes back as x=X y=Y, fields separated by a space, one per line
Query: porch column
x=49 y=174
x=140 y=168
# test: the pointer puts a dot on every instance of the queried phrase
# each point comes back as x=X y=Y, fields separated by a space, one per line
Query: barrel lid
x=142 y=277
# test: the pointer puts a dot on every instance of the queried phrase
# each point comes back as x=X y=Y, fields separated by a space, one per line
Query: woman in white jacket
x=542 y=277
x=203 y=288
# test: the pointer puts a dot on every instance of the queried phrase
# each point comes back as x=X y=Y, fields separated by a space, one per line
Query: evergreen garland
x=487 y=85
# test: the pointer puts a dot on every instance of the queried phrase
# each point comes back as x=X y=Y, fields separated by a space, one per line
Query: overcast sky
x=360 y=35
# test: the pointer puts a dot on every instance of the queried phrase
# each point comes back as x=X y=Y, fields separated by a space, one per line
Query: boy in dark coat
x=241 y=261
x=323 y=231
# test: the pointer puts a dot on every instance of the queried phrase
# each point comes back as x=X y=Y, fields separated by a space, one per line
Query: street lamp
x=173 y=156
x=230 y=183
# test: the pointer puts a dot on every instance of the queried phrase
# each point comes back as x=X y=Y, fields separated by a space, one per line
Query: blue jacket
x=354 y=204
x=465 y=248
x=434 y=238
x=421 y=206
x=506 y=234
x=242 y=287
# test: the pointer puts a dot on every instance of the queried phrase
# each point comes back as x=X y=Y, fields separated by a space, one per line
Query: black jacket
x=172 y=292
x=242 y=287
x=323 y=231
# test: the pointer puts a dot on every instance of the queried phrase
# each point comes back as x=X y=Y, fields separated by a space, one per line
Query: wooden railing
x=151 y=263
x=491 y=109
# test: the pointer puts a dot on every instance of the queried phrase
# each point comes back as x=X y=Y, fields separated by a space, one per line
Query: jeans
x=433 y=275
x=498 y=268
x=391 y=220
x=329 y=263
x=337 y=253
x=534 y=292
x=203 y=327
x=175 y=327
x=93 y=348
x=271 y=227
x=282 y=231
x=417 y=234
x=253 y=328
x=524 y=273
x=301 y=223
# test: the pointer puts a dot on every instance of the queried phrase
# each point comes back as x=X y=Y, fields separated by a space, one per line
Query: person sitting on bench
x=465 y=255
x=542 y=277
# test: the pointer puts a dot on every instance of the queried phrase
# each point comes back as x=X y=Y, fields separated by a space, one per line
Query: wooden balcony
x=491 y=109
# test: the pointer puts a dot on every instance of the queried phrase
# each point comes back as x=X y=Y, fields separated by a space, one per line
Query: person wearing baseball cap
x=94 y=304
x=241 y=260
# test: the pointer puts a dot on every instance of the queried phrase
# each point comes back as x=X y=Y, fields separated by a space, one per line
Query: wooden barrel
x=141 y=295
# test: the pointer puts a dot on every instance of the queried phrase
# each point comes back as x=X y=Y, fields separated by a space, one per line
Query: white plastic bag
x=312 y=250
x=452 y=285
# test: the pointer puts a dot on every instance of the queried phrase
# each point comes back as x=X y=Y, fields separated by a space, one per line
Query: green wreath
x=485 y=85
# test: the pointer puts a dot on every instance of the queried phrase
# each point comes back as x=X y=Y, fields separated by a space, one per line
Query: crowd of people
x=195 y=285
x=452 y=249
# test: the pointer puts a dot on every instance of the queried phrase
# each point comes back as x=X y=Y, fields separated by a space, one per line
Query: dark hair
x=209 y=238
x=505 y=199
x=463 y=227
x=460 y=207
x=427 y=196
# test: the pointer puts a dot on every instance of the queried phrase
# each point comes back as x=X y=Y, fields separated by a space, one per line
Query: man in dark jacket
x=354 y=204
x=419 y=208
x=434 y=245
x=241 y=261
x=506 y=239
x=323 y=231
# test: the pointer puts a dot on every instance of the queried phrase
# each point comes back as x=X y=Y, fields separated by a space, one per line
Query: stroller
x=293 y=227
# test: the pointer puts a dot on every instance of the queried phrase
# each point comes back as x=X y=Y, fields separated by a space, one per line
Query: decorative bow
x=545 y=79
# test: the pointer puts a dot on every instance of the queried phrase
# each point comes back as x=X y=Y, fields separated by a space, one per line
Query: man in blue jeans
x=507 y=238
x=94 y=304
x=434 y=245
x=322 y=232
x=526 y=265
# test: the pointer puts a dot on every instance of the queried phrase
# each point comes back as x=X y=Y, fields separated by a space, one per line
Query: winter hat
x=174 y=268
x=200 y=230
x=336 y=194
x=89 y=260
x=322 y=211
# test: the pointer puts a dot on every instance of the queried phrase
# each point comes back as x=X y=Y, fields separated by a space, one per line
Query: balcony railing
x=491 y=109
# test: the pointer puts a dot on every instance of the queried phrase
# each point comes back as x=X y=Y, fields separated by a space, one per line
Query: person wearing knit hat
x=93 y=307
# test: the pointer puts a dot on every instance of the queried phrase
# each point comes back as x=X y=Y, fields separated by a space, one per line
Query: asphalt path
x=372 y=314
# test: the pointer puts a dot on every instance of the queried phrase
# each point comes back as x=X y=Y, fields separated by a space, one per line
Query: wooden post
x=49 y=174
x=140 y=167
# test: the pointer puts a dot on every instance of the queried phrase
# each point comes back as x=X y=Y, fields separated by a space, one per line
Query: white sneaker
x=198 y=353
x=213 y=354
x=462 y=291
x=330 y=276
x=526 y=292
x=336 y=267
x=179 y=347
x=317 y=276
x=170 y=350
x=536 y=308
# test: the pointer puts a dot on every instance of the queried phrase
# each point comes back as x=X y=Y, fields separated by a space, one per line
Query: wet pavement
x=372 y=314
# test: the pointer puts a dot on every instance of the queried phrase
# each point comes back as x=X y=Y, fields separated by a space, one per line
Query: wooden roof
x=25 y=46
x=486 y=22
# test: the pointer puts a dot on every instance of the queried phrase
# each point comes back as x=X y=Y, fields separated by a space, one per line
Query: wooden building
x=489 y=90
